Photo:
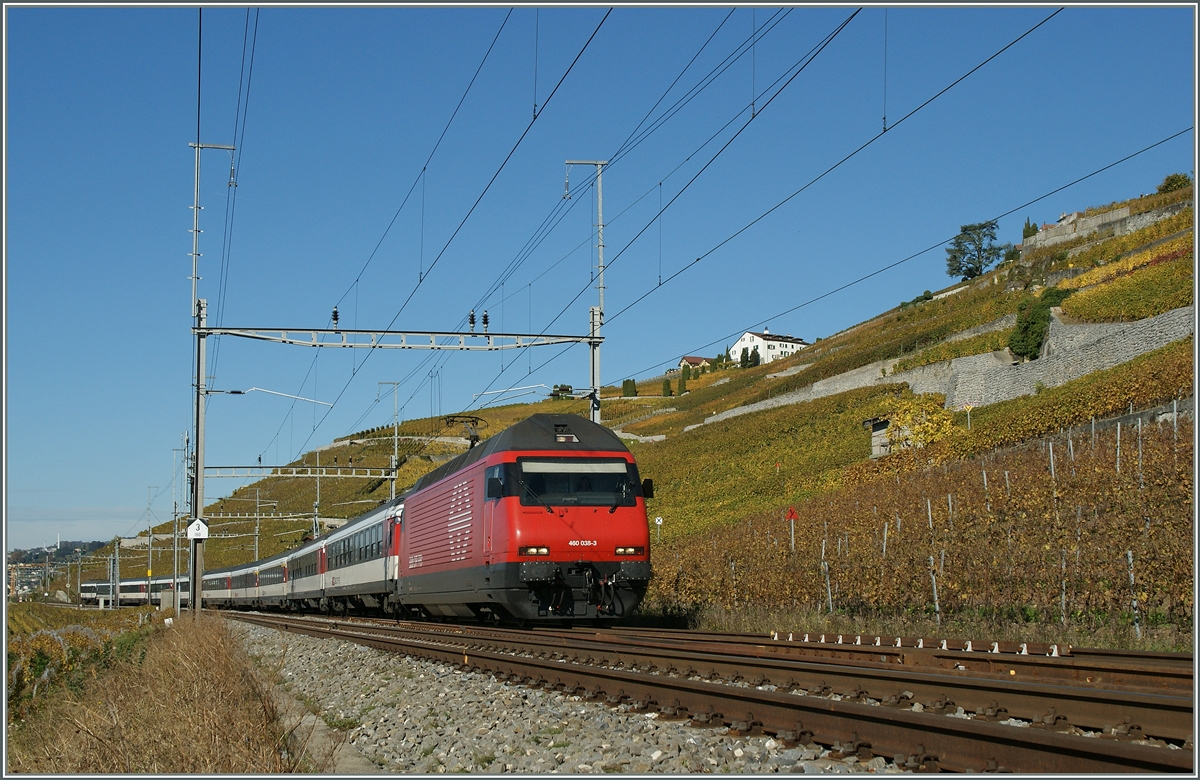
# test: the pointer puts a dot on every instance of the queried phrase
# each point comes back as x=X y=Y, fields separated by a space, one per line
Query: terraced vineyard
x=1006 y=534
x=723 y=487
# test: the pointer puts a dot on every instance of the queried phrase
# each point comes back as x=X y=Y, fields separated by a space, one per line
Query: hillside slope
x=758 y=453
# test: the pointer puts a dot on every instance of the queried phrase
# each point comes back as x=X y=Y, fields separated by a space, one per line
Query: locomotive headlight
x=631 y=551
x=533 y=550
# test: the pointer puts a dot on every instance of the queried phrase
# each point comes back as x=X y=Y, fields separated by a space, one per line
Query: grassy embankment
x=118 y=692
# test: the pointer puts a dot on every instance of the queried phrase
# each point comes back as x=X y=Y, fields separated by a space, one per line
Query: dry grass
x=186 y=701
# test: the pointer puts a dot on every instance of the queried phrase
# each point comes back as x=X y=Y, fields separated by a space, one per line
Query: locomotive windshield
x=574 y=482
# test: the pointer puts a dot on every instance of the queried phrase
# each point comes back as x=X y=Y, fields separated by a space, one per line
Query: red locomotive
x=546 y=520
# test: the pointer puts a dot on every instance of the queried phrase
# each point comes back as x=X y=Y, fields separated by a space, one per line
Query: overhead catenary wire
x=420 y=178
x=835 y=166
x=417 y=179
x=559 y=211
x=239 y=139
x=798 y=68
x=467 y=216
x=785 y=200
x=926 y=250
x=554 y=218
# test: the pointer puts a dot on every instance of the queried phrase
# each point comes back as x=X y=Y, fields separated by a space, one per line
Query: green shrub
x=1033 y=321
x=1174 y=181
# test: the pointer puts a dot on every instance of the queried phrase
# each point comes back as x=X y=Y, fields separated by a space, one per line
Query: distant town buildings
x=771 y=347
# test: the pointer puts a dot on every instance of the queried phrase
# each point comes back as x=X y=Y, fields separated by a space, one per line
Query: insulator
x=485 y=321
x=335 y=318
x=471 y=320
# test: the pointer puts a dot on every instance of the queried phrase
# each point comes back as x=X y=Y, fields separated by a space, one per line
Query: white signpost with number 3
x=198 y=529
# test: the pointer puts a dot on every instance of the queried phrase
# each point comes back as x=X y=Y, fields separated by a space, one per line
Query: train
x=545 y=521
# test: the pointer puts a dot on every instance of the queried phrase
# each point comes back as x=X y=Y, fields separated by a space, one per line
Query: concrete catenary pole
x=597 y=312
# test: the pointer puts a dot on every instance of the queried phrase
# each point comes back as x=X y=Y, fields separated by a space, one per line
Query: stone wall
x=1070 y=352
x=1004 y=323
x=1118 y=222
x=1109 y=220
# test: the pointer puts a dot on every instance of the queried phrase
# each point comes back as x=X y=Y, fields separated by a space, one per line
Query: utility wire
x=626 y=146
x=559 y=211
x=926 y=250
x=429 y=159
x=835 y=166
x=785 y=200
x=418 y=179
x=470 y=211
x=798 y=67
x=234 y=168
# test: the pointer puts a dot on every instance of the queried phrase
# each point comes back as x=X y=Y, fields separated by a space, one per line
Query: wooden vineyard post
x=1063 y=597
x=1141 y=479
x=937 y=607
x=1137 y=626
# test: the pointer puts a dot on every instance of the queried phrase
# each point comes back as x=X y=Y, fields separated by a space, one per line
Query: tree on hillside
x=1174 y=181
x=683 y=378
x=629 y=388
x=754 y=358
x=1030 y=229
x=744 y=361
x=687 y=372
x=974 y=250
x=666 y=388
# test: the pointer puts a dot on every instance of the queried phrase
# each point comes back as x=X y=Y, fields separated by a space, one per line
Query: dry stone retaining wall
x=1071 y=351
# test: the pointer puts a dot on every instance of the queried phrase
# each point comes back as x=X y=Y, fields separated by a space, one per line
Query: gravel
x=407 y=715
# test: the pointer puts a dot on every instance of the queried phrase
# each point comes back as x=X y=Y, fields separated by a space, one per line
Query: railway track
x=925 y=716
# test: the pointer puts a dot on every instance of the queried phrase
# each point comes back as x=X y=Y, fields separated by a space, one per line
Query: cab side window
x=497 y=473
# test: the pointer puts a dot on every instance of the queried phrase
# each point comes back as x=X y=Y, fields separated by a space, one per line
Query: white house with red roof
x=694 y=362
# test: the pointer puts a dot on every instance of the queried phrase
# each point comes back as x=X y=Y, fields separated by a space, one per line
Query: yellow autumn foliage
x=1125 y=265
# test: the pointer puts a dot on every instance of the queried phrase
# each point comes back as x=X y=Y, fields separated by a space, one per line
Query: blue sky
x=341 y=112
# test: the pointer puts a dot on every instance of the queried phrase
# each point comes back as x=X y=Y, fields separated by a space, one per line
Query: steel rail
x=1172 y=671
x=916 y=739
x=1080 y=667
x=993 y=696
